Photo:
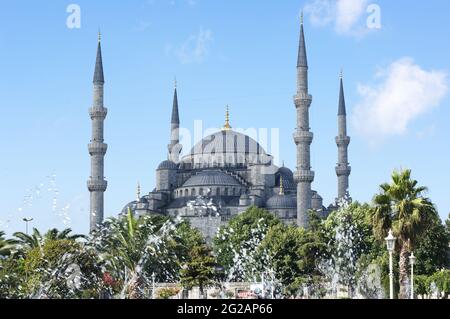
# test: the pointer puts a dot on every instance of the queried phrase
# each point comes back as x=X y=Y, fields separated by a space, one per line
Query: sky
x=395 y=56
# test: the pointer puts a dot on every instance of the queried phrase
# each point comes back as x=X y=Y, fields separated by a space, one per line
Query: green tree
x=239 y=237
x=199 y=271
x=401 y=205
x=293 y=255
x=136 y=247
x=61 y=269
x=432 y=250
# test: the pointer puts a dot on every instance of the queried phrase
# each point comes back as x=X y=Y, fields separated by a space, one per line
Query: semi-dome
x=167 y=165
x=227 y=148
x=211 y=178
x=281 y=201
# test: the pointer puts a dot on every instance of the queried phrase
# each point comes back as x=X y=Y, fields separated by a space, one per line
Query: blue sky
x=241 y=53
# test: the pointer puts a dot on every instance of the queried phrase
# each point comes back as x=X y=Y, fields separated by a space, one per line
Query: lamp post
x=390 y=243
x=153 y=285
x=27 y=220
x=412 y=261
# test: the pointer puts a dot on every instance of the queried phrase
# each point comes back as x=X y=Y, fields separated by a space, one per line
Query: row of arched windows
x=218 y=191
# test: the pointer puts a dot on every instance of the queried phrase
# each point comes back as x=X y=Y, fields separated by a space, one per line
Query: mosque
x=227 y=172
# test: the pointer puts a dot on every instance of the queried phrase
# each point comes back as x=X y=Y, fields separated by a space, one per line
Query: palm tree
x=55 y=234
x=36 y=239
x=123 y=244
x=402 y=207
x=6 y=245
x=28 y=241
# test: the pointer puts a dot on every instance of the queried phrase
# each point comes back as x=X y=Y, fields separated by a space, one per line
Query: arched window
x=193 y=192
x=217 y=191
x=201 y=192
x=186 y=193
x=226 y=191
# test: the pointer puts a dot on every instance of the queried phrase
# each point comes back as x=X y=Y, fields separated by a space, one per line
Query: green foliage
x=240 y=230
x=140 y=246
x=36 y=239
x=432 y=250
x=293 y=254
x=402 y=207
x=6 y=246
x=167 y=293
x=440 y=279
x=199 y=271
x=49 y=268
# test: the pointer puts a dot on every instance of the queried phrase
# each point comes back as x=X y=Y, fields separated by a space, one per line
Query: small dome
x=285 y=172
x=281 y=201
x=167 y=165
x=211 y=178
x=131 y=205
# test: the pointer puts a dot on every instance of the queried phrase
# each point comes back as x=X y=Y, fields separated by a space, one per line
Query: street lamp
x=27 y=220
x=153 y=285
x=412 y=261
x=390 y=243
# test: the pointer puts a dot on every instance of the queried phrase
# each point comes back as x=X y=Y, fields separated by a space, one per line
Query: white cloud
x=347 y=16
x=196 y=47
x=404 y=92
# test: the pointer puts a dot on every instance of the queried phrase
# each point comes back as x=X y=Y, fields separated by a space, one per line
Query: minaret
x=97 y=149
x=343 y=168
x=175 y=147
x=303 y=137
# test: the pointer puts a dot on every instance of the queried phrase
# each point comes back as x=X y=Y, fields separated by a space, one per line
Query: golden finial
x=281 y=185
x=301 y=17
x=99 y=36
x=175 y=83
x=227 y=125
x=138 y=191
x=341 y=75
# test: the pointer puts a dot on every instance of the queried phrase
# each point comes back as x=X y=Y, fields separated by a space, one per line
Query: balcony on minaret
x=97 y=185
x=304 y=176
x=343 y=170
x=303 y=100
x=98 y=112
x=96 y=148
x=303 y=137
x=342 y=140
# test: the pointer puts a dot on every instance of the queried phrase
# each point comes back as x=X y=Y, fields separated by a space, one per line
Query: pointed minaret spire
x=302 y=60
x=303 y=138
x=343 y=168
x=174 y=146
x=98 y=73
x=175 y=113
x=97 y=148
x=341 y=110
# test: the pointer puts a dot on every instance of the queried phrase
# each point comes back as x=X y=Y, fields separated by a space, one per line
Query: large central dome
x=227 y=148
